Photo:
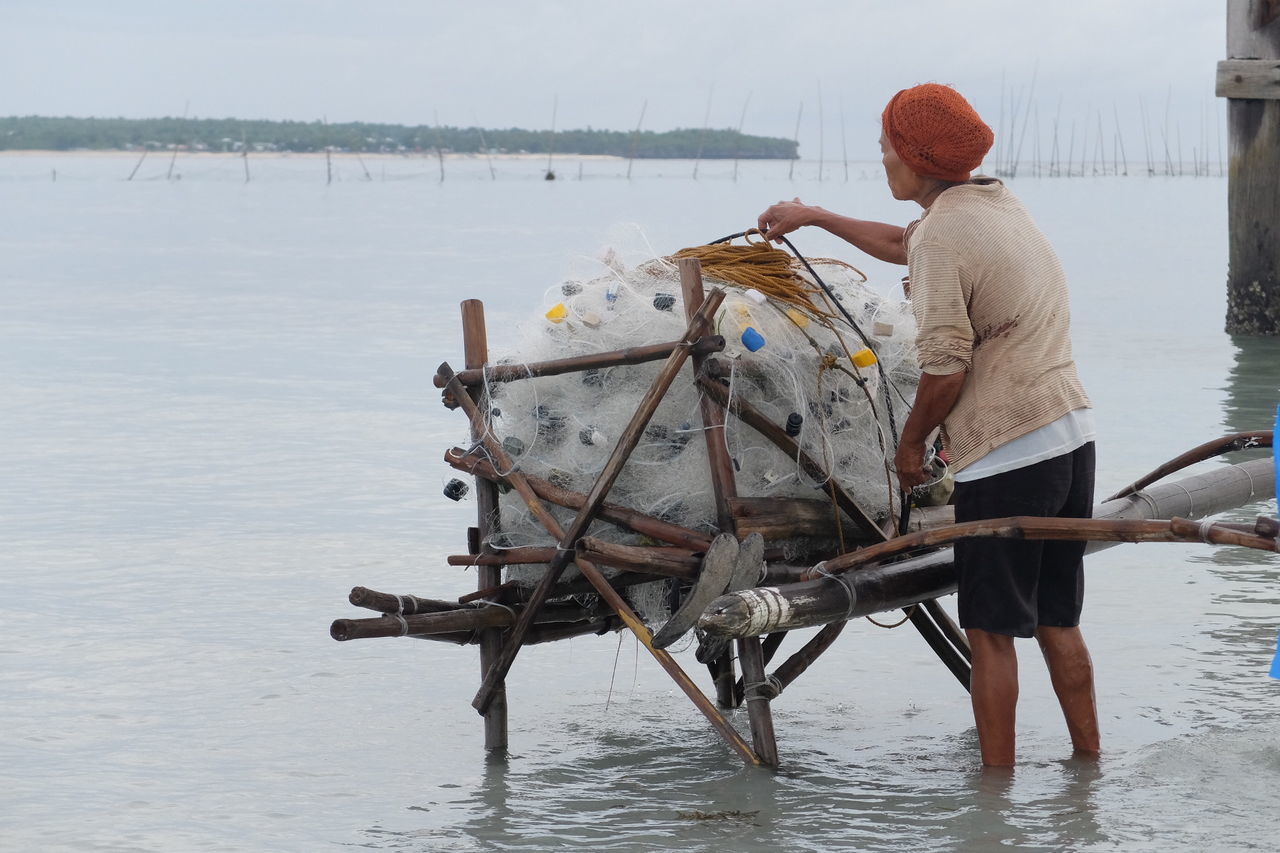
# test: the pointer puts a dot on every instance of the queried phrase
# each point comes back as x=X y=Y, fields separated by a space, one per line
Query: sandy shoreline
x=310 y=155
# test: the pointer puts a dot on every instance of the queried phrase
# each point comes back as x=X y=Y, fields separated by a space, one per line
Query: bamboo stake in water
x=551 y=143
x=244 y=155
x=439 y=144
x=1124 y=158
x=174 y=159
x=594 y=361
x=791 y=170
x=328 y=153
x=488 y=156
x=702 y=136
x=475 y=347
x=844 y=143
x=635 y=135
x=137 y=165
x=822 y=156
x=737 y=143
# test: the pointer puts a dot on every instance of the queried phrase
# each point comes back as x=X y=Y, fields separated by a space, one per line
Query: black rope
x=904 y=497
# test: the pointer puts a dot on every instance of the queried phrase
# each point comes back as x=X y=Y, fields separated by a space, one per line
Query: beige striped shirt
x=990 y=297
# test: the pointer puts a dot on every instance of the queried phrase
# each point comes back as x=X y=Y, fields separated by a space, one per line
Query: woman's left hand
x=909 y=463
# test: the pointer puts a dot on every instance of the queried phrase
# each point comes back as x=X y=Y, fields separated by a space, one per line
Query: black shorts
x=1011 y=586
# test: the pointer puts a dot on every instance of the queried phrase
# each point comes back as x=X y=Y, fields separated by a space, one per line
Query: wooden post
x=594 y=361
x=723 y=484
x=725 y=488
x=757 y=698
x=721 y=669
x=1250 y=80
x=475 y=345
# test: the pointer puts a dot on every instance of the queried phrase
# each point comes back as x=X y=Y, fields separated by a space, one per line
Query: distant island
x=230 y=135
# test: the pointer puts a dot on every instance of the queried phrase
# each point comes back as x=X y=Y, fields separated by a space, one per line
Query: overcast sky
x=501 y=64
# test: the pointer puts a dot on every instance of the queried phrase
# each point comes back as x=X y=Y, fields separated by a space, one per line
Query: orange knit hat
x=936 y=133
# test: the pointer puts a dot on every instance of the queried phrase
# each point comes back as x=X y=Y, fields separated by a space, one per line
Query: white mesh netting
x=563 y=428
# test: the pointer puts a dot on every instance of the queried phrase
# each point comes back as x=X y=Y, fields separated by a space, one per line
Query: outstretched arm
x=880 y=240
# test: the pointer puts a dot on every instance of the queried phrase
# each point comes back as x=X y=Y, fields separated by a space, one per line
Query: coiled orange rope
x=762 y=267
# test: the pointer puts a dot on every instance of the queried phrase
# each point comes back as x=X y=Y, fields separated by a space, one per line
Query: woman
x=990 y=301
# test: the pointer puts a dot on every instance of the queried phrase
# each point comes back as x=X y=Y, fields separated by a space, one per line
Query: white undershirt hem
x=1069 y=432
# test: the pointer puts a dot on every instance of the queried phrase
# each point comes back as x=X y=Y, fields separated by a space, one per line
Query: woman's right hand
x=785 y=217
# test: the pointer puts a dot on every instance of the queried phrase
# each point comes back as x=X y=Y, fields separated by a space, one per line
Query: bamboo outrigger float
x=761 y=596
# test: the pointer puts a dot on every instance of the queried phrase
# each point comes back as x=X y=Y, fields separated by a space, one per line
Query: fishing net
x=789 y=353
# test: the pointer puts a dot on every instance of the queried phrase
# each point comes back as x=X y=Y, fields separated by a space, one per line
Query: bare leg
x=1071 y=671
x=994 y=689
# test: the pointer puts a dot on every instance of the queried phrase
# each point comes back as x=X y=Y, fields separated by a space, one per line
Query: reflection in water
x=614 y=791
x=1035 y=807
x=1253 y=385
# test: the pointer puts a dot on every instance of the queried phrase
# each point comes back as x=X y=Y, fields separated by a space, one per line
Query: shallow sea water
x=218 y=417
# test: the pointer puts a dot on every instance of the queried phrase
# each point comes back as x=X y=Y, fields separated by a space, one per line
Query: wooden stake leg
x=721 y=670
x=475 y=342
x=949 y=628
x=725 y=488
x=933 y=635
x=758 y=711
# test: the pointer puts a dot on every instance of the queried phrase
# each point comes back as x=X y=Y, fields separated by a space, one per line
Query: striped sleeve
x=944 y=338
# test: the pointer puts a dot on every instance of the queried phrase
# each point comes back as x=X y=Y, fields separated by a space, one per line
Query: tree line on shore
x=233 y=135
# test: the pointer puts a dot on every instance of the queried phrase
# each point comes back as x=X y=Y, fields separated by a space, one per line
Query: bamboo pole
x=723 y=483
x=403 y=605
x=782 y=518
x=547 y=633
x=769 y=647
x=244 y=155
x=1039 y=528
x=593 y=361
x=725 y=490
x=512 y=592
x=505 y=557
x=722 y=480
x=669 y=562
x=1208 y=450
x=138 y=165
x=630 y=519
x=174 y=159
x=762 y=733
x=493 y=593
x=634 y=134
x=515 y=593
x=475 y=347
x=449 y=621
